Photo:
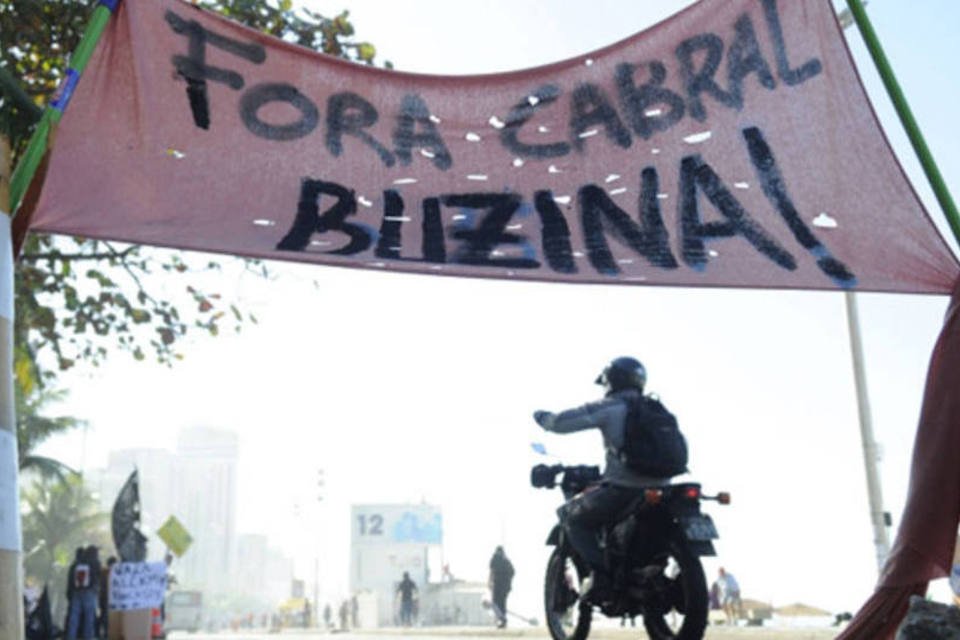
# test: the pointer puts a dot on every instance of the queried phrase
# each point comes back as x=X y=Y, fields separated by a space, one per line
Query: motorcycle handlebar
x=575 y=478
x=544 y=476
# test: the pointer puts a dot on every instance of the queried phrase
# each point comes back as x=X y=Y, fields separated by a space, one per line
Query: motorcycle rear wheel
x=680 y=612
x=568 y=615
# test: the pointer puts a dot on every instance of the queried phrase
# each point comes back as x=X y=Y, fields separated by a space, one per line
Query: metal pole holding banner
x=878 y=517
x=905 y=114
x=37 y=147
x=942 y=193
x=871 y=455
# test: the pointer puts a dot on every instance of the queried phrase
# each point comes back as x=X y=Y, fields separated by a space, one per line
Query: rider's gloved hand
x=541 y=417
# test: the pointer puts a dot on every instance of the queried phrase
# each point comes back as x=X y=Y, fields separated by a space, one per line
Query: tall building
x=278 y=577
x=262 y=573
x=252 y=564
x=198 y=484
x=206 y=503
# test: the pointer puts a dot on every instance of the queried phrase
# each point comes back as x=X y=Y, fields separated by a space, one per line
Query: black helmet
x=623 y=373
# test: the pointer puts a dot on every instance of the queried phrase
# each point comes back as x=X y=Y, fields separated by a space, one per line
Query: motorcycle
x=652 y=555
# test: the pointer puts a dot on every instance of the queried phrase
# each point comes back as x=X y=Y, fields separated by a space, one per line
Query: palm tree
x=59 y=516
x=34 y=428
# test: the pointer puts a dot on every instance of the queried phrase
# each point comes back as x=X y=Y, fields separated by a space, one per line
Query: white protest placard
x=137 y=585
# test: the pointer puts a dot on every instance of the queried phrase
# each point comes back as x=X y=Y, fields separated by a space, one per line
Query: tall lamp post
x=879 y=518
x=321 y=488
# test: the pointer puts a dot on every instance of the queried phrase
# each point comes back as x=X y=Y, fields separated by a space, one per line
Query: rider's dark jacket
x=610 y=416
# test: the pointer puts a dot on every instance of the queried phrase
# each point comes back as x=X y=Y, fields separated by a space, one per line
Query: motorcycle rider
x=624 y=380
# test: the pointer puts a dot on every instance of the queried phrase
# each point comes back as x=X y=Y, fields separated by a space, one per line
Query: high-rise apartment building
x=197 y=484
x=206 y=503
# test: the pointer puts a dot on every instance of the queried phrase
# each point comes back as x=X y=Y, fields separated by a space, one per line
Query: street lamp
x=321 y=488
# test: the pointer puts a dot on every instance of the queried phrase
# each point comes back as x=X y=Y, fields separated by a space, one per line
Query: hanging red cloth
x=924 y=547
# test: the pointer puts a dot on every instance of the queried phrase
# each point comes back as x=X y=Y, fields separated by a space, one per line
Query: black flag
x=131 y=545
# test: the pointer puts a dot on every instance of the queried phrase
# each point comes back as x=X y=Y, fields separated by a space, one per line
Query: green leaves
x=331 y=35
x=84 y=299
x=36 y=37
x=167 y=336
x=366 y=52
x=33 y=426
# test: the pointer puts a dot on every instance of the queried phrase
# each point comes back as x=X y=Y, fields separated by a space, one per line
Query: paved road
x=535 y=633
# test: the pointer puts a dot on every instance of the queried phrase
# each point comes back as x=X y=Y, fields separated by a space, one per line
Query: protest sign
x=137 y=585
x=175 y=535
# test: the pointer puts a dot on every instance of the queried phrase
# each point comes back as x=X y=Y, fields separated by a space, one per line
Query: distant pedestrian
x=500 y=582
x=83 y=590
x=715 y=596
x=407 y=590
x=354 y=612
x=729 y=596
x=344 y=615
x=171 y=580
x=327 y=615
x=71 y=593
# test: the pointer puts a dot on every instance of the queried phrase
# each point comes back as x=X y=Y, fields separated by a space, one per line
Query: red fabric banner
x=731 y=145
x=926 y=539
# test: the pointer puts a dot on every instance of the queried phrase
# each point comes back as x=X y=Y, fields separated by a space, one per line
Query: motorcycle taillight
x=652 y=496
x=692 y=493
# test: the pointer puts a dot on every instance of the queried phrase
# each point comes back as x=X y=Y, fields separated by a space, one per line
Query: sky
x=406 y=388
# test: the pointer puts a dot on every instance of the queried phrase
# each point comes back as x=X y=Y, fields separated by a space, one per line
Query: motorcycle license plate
x=699 y=527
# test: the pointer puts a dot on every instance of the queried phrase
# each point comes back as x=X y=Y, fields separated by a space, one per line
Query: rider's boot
x=598 y=588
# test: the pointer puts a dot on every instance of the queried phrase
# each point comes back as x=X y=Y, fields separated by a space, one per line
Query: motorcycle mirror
x=723 y=497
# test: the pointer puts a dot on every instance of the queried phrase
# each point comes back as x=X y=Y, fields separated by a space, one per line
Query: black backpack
x=653 y=445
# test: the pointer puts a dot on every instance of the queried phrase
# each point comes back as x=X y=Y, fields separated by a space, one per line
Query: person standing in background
x=500 y=582
x=406 y=589
x=729 y=596
x=83 y=590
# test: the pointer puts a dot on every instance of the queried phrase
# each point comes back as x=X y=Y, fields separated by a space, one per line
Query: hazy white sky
x=411 y=387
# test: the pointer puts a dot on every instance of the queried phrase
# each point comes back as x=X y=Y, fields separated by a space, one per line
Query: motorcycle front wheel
x=680 y=607
x=568 y=615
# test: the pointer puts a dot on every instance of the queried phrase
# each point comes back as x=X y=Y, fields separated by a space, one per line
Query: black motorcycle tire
x=555 y=590
x=688 y=594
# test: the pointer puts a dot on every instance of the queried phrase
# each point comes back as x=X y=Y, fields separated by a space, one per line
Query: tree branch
x=10 y=87
x=130 y=272
x=58 y=255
